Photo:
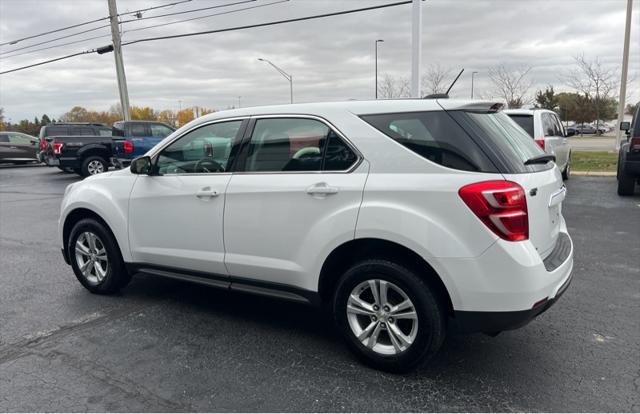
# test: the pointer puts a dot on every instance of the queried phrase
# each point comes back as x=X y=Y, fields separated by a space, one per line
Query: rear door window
x=548 y=125
x=139 y=130
x=160 y=131
x=525 y=122
x=435 y=136
x=54 y=131
x=4 y=138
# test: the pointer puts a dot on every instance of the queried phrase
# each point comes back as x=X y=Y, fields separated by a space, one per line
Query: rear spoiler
x=474 y=106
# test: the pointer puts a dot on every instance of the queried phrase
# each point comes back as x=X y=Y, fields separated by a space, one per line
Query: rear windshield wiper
x=540 y=159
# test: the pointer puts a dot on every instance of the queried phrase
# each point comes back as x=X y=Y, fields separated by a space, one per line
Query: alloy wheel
x=382 y=317
x=95 y=167
x=91 y=257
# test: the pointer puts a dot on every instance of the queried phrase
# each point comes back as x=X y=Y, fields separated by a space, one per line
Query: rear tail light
x=540 y=143
x=501 y=206
x=634 y=144
x=43 y=144
x=57 y=147
x=128 y=147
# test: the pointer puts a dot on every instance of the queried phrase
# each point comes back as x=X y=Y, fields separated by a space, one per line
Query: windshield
x=525 y=122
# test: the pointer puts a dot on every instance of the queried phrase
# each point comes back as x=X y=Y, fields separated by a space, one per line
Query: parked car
x=545 y=128
x=137 y=137
x=68 y=129
x=17 y=148
x=584 y=129
x=629 y=156
x=403 y=217
x=85 y=155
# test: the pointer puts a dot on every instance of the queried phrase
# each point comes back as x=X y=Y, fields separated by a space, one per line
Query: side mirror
x=141 y=165
x=625 y=126
x=571 y=132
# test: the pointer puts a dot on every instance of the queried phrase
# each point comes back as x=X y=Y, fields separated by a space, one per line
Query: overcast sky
x=330 y=59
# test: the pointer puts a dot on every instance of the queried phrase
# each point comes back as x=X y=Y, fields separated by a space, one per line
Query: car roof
x=357 y=107
x=529 y=111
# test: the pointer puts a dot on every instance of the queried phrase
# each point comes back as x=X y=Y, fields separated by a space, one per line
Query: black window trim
x=232 y=156
x=242 y=156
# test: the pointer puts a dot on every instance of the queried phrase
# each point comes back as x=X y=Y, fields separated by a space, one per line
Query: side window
x=548 y=126
x=160 y=131
x=56 y=131
x=559 y=128
x=104 y=132
x=139 y=130
x=338 y=155
x=4 y=138
x=19 y=139
x=286 y=144
x=203 y=150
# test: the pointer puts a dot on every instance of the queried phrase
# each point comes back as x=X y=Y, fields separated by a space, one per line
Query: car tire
x=95 y=257
x=93 y=165
x=566 y=173
x=383 y=352
x=626 y=184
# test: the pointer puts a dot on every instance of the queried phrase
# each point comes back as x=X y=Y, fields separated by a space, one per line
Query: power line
x=273 y=23
x=13 y=42
x=53 y=40
x=48 y=61
x=205 y=16
x=251 y=26
x=54 y=46
x=187 y=11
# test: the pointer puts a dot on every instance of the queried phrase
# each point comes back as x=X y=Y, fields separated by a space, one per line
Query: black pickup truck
x=85 y=155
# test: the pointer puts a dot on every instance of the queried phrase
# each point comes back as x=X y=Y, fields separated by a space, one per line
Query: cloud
x=330 y=59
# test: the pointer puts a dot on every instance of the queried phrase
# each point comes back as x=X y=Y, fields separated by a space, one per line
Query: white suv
x=405 y=218
x=545 y=128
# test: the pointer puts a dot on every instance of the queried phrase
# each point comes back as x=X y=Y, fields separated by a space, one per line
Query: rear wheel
x=95 y=257
x=93 y=165
x=388 y=315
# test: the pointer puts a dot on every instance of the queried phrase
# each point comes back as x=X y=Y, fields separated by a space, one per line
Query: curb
x=594 y=173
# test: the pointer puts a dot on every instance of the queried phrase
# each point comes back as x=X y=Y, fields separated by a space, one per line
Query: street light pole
x=472 y=75
x=283 y=73
x=623 y=80
x=377 y=41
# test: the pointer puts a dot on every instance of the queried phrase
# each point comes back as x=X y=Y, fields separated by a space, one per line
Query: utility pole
x=416 y=48
x=377 y=41
x=117 y=52
x=623 y=80
x=472 y=75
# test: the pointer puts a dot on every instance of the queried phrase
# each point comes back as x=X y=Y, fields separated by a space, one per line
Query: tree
x=596 y=82
x=630 y=109
x=511 y=84
x=44 y=120
x=547 y=99
x=435 y=79
x=76 y=114
x=390 y=88
x=2 y=118
x=143 y=113
x=168 y=117
x=185 y=116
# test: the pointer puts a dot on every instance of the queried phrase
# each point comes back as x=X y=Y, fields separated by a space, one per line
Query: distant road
x=603 y=143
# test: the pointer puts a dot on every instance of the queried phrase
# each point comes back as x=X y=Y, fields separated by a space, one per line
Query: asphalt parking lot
x=163 y=345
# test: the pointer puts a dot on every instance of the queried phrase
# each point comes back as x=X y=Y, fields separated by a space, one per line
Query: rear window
x=53 y=131
x=435 y=136
x=525 y=122
x=83 y=131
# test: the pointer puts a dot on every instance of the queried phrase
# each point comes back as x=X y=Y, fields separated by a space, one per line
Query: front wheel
x=388 y=315
x=95 y=257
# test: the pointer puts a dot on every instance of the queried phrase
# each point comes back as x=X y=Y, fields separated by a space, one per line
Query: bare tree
x=390 y=87
x=435 y=79
x=511 y=84
x=595 y=81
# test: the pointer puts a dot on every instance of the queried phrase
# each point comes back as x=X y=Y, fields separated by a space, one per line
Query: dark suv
x=66 y=129
x=629 y=156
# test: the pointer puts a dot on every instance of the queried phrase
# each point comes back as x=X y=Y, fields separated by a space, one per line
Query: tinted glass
x=160 y=131
x=505 y=137
x=4 y=138
x=287 y=144
x=434 y=136
x=203 y=150
x=104 y=132
x=525 y=122
x=53 y=131
x=139 y=130
x=338 y=156
x=548 y=125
